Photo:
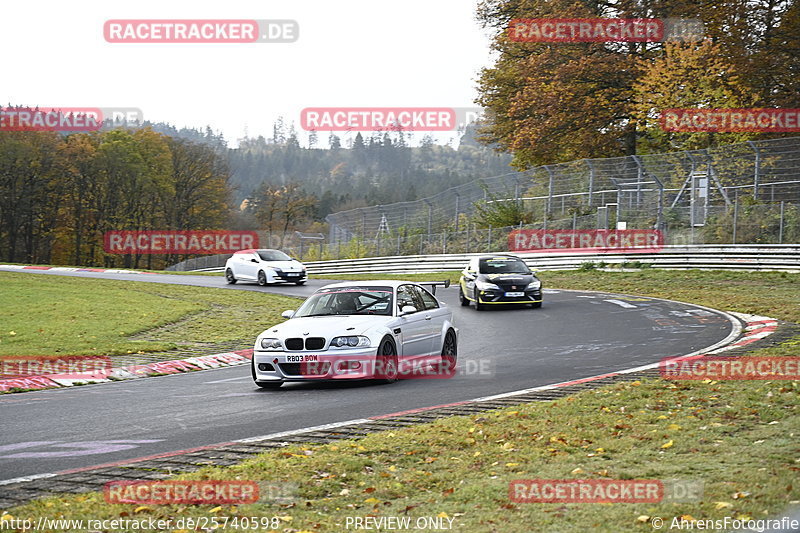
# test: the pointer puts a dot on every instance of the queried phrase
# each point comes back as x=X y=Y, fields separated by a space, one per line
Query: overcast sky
x=356 y=53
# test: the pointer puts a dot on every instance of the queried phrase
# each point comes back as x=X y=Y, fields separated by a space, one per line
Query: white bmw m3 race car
x=385 y=330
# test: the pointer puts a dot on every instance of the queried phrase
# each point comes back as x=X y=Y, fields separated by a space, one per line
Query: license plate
x=515 y=294
x=301 y=358
x=293 y=274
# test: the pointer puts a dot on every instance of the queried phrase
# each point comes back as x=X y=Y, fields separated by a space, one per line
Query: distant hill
x=378 y=169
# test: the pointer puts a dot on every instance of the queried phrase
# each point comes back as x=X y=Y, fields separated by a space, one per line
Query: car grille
x=315 y=343
x=305 y=369
x=294 y=344
x=311 y=343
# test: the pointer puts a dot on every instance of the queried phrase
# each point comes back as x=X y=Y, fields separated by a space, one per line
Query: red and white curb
x=72 y=269
x=191 y=364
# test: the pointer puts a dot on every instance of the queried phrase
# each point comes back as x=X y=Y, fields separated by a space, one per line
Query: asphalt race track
x=574 y=335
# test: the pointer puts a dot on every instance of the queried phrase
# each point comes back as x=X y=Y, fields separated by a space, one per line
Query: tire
x=387 y=357
x=264 y=385
x=229 y=277
x=299 y=282
x=536 y=305
x=461 y=298
x=478 y=305
x=449 y=352
x=262 y=278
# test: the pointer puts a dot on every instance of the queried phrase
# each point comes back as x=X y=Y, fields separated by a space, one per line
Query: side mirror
x=287 y=314
x=468 y=275
x=407 y=310
x=254 y=260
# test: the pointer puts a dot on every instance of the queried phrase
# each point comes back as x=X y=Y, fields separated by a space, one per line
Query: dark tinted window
x=405 y=296
x=427 y=299
x=503 y=265
x=348 y=301
x=273 y=255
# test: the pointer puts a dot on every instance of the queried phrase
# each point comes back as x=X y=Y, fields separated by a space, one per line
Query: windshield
x=273 y=255
x=503 y=265
x=348 y=301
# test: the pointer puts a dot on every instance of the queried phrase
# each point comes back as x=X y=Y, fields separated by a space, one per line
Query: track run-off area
x=575 y=335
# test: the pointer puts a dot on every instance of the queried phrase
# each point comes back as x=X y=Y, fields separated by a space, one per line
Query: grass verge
x=59 y=315
x=739 y=439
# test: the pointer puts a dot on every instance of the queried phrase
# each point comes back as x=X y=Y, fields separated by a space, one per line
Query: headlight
x=486 y=286
x=277 y=270
x=535 y=284
x=353 y=341
x=271 y=344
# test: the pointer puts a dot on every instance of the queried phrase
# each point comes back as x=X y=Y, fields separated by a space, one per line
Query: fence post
x=430 y=215
x=780 y=228
x=489 y=244
x=549 y=189
x=591 y=180
x=444 y=242
x=574 y=220
x=363 y=224
x=458 y=201
x=735 y=214
x=757 y=169
x=466 y=244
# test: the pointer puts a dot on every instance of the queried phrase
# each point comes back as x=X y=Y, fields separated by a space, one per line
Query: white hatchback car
x=264 y=267
x=384 y=330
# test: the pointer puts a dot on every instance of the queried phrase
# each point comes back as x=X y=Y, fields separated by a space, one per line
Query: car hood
x=326 y=326
x=507 y=279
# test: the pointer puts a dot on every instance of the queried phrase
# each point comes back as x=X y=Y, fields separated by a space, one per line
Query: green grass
x=55 y=315
x=738 y=438
x=740 y=446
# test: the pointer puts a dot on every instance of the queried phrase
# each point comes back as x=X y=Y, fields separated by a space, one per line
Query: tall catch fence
x=740 y=193
x=746 y=193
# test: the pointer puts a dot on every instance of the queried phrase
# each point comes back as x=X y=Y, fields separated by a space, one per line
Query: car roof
x=394 y=283
x=487 y=256
x=253 y=250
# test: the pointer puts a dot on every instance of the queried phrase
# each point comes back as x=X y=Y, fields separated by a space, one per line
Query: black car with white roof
x=500 y=279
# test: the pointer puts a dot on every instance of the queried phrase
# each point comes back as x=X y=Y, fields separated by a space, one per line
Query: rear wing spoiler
x=434 y=284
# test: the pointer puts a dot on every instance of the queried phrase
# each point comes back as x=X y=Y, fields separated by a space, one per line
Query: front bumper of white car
x=355 y=363
x=291 y=277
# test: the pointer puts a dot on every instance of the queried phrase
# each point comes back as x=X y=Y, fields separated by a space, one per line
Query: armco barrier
x=778 y=257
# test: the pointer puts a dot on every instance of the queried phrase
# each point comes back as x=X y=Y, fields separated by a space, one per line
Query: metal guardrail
x=779 y=257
